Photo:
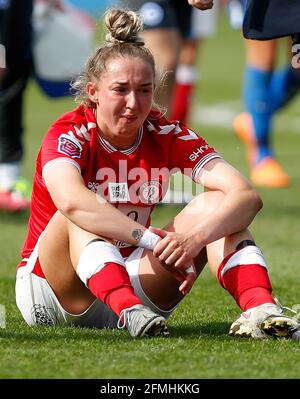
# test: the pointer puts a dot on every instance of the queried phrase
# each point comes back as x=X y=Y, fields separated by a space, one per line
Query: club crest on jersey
x=118 y=192
x=69 y=145
x=150 y=192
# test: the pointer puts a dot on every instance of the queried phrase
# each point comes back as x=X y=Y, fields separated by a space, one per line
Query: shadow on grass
x=210 y=329
x=46 y=334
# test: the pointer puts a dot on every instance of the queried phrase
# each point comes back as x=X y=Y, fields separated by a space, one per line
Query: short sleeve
x=64 y=145
x=190 y=152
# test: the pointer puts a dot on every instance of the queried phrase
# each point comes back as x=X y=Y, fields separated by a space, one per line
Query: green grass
x=199 y=346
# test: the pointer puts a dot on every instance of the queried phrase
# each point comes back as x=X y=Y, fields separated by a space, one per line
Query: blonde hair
x=122 y=40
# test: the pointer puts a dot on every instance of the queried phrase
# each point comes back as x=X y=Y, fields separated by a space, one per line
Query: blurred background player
x=16 y=32
x=48 y=30
x=187 y=74
x=15 y=35
x=173 y=31
x=166 y=25
x=266 y=89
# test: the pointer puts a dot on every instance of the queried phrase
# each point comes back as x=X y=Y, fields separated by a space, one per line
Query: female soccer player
x=91 y=257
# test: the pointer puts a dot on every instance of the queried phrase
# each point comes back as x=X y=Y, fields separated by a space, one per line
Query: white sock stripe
x=94 y=257
x=246 y=256
x=186 y=74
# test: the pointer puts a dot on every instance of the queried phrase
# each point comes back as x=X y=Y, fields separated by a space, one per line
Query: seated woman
x=91 y=257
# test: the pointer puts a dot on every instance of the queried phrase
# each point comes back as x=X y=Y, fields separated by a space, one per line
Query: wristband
x=189 y=270
x=148 y=240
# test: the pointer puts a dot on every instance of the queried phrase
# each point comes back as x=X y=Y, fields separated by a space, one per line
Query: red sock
x=181 y=101
x=249 y=284
x=113 y=287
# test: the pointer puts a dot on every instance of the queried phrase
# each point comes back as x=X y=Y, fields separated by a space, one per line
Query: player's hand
x=177 y=252
x=186 y=279
x=201 y=4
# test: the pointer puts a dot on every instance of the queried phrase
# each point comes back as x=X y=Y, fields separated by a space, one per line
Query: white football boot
x=263 y=321
x=140 y=320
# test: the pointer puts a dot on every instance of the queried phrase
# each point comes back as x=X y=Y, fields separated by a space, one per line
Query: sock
x=244 y=275
x=113 y=287
x=284 y=85
x=181 y=102
x=186 y=76
x=257 y=104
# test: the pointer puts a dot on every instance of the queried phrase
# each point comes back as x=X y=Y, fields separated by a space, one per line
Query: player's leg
x=202 y=25
x=239 y=266
x=285 y=82
x=241 y=269
x=164 y=45
x=80 y=266
x=254 y=127
x=81 y=280
x=260 y=58
x=244 y=274
x=157 y=281
x=164 y=292
x=186 y=78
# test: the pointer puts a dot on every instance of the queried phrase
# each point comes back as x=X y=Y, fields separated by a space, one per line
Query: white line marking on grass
x=223 y=114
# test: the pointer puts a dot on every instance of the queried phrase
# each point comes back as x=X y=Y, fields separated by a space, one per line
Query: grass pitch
x=199 y=346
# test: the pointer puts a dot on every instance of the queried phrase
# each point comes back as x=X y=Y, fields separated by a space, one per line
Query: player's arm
x=237 y=210
x=89 y=210
x=239 y=207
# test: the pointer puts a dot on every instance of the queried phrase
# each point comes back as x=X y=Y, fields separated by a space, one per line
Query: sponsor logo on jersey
x=198 y=152
x=69 y=145
x=150 y=192
x=118 y=192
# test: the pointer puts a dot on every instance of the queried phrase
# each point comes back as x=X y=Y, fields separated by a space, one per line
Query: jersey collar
x=110 y=148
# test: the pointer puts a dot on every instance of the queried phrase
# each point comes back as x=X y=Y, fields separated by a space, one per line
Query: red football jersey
x=133 y=180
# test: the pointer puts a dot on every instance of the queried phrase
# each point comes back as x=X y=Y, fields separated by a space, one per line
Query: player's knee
x=94 y=258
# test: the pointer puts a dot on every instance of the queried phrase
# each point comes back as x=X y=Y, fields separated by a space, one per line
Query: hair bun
x=123 y=26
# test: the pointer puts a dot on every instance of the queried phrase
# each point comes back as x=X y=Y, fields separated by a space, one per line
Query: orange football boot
x=269 y=173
